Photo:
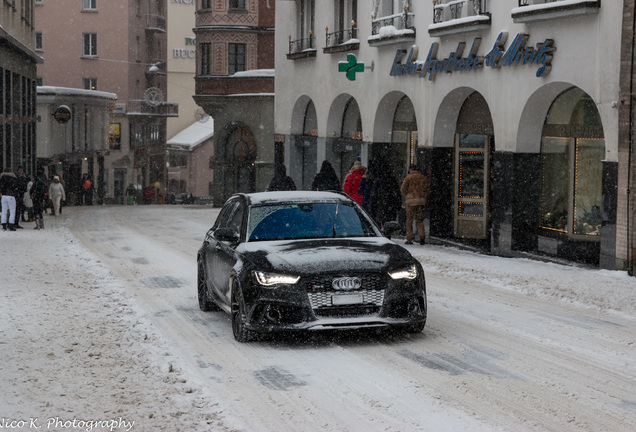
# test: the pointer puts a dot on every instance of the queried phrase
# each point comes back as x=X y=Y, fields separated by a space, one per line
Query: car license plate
x=346 y=299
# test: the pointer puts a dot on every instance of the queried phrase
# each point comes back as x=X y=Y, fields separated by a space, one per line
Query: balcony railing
x=300 y=45
x=448 y=10
x=340 y=37
x=143 y=107
x=400 y=21
x=541 y=10
x=534 y=2
x=156 y=22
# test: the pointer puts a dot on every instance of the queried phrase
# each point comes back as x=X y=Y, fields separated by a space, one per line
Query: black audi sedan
x=280 y=261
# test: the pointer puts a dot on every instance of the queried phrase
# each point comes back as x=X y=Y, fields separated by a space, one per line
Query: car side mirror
x=389 y=228
x=226 y=234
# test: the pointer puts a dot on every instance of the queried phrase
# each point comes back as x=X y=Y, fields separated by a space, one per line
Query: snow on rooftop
x=67 y=91
x=194 y=134
x=255 y=73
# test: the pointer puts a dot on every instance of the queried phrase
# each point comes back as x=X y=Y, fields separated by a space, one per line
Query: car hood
x=326 y=255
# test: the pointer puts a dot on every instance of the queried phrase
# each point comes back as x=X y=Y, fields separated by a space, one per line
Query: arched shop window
x=404 y=137
x=351 y=121
x=572 y=149
x=310 y=123
x=242 y=141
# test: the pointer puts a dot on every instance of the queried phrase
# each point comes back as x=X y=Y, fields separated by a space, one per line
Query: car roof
x=262 y=198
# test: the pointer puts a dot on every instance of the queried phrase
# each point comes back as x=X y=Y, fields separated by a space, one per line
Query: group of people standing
x=376 y=190
x=32 y=195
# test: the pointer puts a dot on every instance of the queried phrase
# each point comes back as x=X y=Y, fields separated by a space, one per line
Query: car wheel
x=239 y=317
x=202 y=289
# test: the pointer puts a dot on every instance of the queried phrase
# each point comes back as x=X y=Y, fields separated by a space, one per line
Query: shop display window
x=572 y=151
x=554 y=203
x=471 y=174
x=571 y=185
x=588 y=171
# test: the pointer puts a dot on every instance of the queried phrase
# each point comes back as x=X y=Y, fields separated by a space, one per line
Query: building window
x=38 y=41
x=90 y=4
x=572 y=152
x=237 y=4
x=90 y=45
x=304 y=27
x=206 y=58
x=90 y=83
x=39 y=81
x=206 y=4
x=178 y=160
x=8 y=100
x=236 y=58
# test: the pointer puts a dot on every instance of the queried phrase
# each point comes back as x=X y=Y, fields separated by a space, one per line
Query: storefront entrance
x=474 y=144
x=472 y=183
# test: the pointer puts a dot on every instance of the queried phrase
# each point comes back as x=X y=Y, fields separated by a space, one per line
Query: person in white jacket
x=28 y=202
x=56 y=194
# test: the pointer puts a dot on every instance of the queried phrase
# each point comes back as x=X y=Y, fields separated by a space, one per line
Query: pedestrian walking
x=385 y=201
x=86 y=190
x=19 y=201
x=416 y=189
x=39 y=197
x=365 y=189
x=8 y=189
x=56 y=195
x=281 y=181
x=130 y=193
x=28 y=202
x=352 y=182
x=326 y=179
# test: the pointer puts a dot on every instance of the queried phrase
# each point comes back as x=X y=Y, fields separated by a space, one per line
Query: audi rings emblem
x=346 y=283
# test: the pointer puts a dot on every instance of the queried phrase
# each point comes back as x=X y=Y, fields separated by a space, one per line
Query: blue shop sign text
x=517 y=53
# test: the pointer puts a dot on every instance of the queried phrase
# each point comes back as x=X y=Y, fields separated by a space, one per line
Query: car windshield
x=310 y=220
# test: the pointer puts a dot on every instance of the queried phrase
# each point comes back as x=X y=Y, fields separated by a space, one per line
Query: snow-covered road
x=100 y=321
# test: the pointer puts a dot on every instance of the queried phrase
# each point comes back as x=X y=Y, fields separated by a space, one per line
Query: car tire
x=202 y=289
x=239 y=316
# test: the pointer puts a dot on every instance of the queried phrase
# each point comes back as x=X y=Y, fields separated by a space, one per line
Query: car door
x=224 y=255
x=212 y=248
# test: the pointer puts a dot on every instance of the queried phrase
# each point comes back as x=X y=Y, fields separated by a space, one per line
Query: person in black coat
x=365 y=189
x=326 y=179
x=386 y=199
x=19 y=198
x=9 y=190
x=38 y=194
x=281 y=181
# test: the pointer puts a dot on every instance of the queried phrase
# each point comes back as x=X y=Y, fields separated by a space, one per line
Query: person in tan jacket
x=416 y=189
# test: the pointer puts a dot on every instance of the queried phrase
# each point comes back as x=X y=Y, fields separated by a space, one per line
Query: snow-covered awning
x=193 y=135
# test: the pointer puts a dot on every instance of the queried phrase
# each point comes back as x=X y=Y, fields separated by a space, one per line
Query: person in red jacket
x=352 y=182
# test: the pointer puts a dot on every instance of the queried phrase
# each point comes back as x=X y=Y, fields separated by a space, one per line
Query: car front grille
x=321 y=292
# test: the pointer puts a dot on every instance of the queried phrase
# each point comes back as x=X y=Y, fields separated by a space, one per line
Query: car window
x=223 y=220
x=311 y=220
x=236 y=218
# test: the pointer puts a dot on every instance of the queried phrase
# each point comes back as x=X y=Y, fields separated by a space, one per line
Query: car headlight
x=408 y=273
x=269 y=279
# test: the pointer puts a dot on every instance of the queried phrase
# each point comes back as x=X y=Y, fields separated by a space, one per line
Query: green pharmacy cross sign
x=350 y=67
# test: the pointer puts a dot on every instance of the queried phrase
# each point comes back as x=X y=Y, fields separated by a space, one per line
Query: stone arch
x=529 y=132
x=299 y=113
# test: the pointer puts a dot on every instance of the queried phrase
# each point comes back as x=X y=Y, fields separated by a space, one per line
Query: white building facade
x=512 y=108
